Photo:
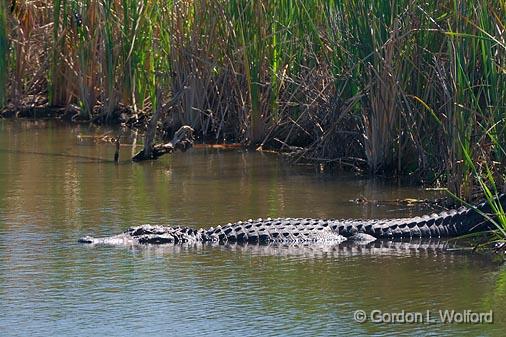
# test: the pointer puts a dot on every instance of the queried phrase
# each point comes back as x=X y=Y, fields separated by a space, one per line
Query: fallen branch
x=182 y=140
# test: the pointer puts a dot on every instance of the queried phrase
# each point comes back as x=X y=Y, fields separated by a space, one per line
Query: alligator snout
x=86 y=239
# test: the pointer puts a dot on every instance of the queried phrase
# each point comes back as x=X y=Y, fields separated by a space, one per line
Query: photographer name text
x=429 y=317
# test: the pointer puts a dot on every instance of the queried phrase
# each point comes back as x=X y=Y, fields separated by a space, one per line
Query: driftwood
x=182 y=140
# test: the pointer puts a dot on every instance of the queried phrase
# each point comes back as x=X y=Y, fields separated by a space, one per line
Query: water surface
x=57 y=184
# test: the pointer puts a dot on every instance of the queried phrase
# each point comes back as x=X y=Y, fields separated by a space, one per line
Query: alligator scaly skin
x=446 y=224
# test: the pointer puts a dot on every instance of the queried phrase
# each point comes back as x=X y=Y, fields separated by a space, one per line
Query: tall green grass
x=405 y=87
x=487 y=182
x=4 y=54
x=58 y=91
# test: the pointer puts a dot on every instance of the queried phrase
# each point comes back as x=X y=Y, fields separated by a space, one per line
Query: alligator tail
x=450 y=223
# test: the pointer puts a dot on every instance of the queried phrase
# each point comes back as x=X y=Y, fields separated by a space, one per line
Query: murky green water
x=54 y=189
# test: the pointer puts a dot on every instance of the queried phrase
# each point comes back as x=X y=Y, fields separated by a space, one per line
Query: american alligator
x=451 y=223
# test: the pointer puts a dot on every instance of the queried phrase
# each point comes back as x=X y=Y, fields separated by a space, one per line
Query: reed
x=4 y=54
x=403 y=87
x=487 y=182
x=477 y=87
x=58 y=89
x=109 y=59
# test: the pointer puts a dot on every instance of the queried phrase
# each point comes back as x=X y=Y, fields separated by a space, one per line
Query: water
x=57 y=184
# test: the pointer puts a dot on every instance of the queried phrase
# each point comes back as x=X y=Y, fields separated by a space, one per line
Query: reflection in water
x=50 y=285
x=420 y=248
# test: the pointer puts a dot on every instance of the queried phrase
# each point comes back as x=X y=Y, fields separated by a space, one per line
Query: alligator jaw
x=115 y=240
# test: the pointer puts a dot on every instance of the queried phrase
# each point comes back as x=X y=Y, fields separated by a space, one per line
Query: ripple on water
x=52 y=286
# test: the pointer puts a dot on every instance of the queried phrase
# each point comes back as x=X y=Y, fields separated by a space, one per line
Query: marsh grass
x=4 y=53
x=402 y=87
x=486 y=178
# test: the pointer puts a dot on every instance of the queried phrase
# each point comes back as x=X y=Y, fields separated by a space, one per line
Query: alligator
x=446 y=224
